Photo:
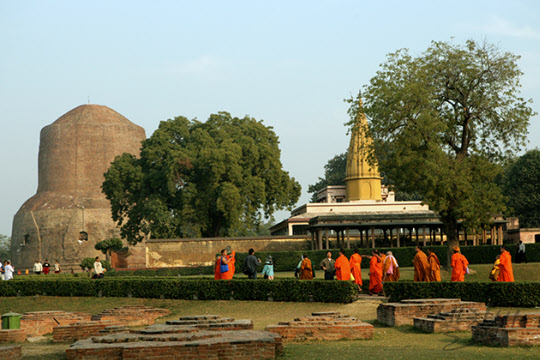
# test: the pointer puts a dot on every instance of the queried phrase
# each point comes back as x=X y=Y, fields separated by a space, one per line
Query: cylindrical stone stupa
x=69 y=213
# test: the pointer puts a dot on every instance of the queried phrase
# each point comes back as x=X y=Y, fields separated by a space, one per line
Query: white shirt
x=38 y=267
x=9 y=272
x=98 y=268
x=522 y=247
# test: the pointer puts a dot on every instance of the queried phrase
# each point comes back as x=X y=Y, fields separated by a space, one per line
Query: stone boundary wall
x=39 y=323
x=202 y=251
x=403 y=313
x=509 y=330
x=12 y=335
x=323 y=326
x=13 y=352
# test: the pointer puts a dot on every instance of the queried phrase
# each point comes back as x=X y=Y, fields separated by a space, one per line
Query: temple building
x=69 y=214
x=363 y=209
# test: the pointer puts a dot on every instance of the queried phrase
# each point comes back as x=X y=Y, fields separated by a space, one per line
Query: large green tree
x=521 y=185
x=213 y=178
x=443 y=121
x=5 y=247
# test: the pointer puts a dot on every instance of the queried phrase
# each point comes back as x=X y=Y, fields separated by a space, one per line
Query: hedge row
x=201 y=289
x=516 y=294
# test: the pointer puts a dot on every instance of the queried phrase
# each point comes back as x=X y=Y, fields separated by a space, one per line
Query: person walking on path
x=390 y=268
x=460 y=265
x=434 y=266
x=356 y=268
x=505 y=266
x=38 y=268
x=98 y=269
x=251 y=263
x=521 y=256
x=306 y=269
x=343 y=268
x=268 y=269
x=8 y=270
x=46 y=267
x=421 y=265
x=328 y=266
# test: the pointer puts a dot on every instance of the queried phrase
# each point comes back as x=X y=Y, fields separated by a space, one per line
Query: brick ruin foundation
x=12 y=352
x=455 y=320
x=323 y=326
x=509 y=330
x=190 y=337
x=403 y=313
x=71 y=326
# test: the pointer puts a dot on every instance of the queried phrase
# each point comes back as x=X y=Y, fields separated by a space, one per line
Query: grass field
x=389 y=343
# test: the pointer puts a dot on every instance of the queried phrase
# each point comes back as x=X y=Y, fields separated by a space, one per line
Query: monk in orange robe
x=390 y=268
x=232 y=260
x=342 y=266
x=306 y=269
x=222 y=259
x=459 y=265
x=421 y=265
x=506 y=273
x=375 y=274
x=356 y=268
x=434 y=266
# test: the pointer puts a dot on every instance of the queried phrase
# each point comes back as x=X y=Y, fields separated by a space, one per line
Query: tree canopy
x=521 y=185
x=193 y=179
x=335 y=172
x=442 y=122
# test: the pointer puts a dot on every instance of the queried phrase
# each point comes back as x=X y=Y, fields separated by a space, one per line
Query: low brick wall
x=132 y=315
x=323 y=326
x=509 y=330
x=42 y=322
x=80 y=330
x=12 y=335
x=403 y=313
x=13 y=352
x=183 y=340
x=448 y=321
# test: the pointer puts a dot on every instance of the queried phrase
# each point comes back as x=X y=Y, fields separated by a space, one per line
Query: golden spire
x=363 y=180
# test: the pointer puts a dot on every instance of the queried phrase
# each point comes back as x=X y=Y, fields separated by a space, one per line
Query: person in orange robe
x=232 y=260
x=356 y=268
x=421 y=265
x=390 y=268
x=434 y=266
x=221 y=259
x=342 y=266
x=217 y=269
x=306 y=269
x=459 y=265
x=375 y=274
x=505 y=266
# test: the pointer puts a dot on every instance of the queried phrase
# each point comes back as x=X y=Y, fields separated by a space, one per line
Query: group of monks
x=384 y=268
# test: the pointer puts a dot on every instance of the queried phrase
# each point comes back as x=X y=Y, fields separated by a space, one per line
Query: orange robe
x=375 y=275
x=343 y=269
x=505 y=267
x=356 y=268
x=459 y=265
x=306 y=271
x=390 y=277
x=421 y=267
x=217 y=270
x=229 y=274
x=434 y=268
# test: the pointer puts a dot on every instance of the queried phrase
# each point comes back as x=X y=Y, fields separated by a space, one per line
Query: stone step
x=197 y=322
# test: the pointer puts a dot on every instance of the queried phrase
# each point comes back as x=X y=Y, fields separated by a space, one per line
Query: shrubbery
x=187 y=289
x=88 y=263
x=516 y=294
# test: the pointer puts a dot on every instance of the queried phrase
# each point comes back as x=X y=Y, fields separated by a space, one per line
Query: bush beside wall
x=187 y=289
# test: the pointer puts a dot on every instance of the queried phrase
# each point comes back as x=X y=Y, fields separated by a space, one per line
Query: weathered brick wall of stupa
x=74 y=153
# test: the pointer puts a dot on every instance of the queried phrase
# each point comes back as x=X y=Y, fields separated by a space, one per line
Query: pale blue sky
x=289 y=63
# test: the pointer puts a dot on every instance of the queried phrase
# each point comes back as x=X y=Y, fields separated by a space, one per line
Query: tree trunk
x=450 y=226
